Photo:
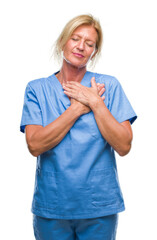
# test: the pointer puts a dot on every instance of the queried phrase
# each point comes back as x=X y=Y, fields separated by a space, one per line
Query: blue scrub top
x=78 y=178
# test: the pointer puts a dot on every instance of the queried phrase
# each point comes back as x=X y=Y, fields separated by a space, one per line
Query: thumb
x=93 y=83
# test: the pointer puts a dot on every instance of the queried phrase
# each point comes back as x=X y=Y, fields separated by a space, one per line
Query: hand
x=81 y=108
x=84 y=95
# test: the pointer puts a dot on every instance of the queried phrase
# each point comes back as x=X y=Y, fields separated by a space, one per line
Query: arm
x=118 y=135
x=41 y=139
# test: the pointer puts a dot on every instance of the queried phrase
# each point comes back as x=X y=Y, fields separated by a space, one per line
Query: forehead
x=87 y=32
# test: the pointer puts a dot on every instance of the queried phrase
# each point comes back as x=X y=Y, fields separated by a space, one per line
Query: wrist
x=95 y=103
x=75 y=110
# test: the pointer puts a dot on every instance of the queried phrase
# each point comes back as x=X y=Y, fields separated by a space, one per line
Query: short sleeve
x=119 y=104
x=31 y=113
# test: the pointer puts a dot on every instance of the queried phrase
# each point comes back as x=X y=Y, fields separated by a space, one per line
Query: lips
x=78 y=55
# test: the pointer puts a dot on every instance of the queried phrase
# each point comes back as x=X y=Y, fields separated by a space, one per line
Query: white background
x=28 y=30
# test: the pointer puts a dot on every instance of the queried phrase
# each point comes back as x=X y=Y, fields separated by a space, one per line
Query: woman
x=74 y=121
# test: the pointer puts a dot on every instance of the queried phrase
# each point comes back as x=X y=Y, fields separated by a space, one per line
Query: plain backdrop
x=28 y=30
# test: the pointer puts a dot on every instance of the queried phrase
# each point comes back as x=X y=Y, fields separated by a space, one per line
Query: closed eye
x=90 y=45
x=87 y=43
x=75 y=39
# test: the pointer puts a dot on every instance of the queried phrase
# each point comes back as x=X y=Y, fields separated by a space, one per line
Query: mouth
x=78 y=55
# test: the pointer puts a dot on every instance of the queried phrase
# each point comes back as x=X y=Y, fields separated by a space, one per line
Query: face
x=81 y=46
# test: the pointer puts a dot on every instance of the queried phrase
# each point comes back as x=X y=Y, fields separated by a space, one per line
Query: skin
x=78 y=50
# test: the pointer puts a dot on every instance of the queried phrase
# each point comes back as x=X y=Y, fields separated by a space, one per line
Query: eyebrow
x=80 y=37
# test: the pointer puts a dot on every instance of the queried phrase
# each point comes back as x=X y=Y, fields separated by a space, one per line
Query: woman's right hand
x=83 y=109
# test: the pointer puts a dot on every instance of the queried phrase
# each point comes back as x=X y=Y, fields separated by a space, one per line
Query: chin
x=79 y=65
x=75 y=63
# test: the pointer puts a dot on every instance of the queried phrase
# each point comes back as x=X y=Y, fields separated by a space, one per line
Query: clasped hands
x=85 y=95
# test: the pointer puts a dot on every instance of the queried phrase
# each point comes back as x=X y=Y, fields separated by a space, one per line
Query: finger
x=68 y=94
x=103 y=98
x=100 y=83
x=101 y=91
x=69 y=86
x=93 y=83
x=73 y=86
x=72 y=83
x=100 y=86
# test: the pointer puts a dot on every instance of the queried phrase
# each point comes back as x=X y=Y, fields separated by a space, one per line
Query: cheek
x=69 y=45
x=92 y=53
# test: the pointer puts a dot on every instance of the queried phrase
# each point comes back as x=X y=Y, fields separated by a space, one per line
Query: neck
x=70 y=73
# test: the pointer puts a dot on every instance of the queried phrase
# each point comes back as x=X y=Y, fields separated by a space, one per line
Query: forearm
x=112 y=131
x=49 y=136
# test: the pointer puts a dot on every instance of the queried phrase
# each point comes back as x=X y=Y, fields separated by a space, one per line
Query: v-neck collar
x=63 y=97
x=84 y=77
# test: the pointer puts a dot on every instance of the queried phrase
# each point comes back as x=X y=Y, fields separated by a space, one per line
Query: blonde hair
x=71 y=26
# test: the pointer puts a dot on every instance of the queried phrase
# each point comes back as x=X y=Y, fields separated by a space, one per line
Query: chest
x=53 y=102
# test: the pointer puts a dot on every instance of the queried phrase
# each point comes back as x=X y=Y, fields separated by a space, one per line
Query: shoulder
x=37 y=84
x=108 y=80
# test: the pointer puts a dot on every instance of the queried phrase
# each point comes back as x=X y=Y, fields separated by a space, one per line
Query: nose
x=80 y=45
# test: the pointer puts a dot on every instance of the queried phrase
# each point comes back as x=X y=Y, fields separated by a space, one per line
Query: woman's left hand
x=84 y=94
